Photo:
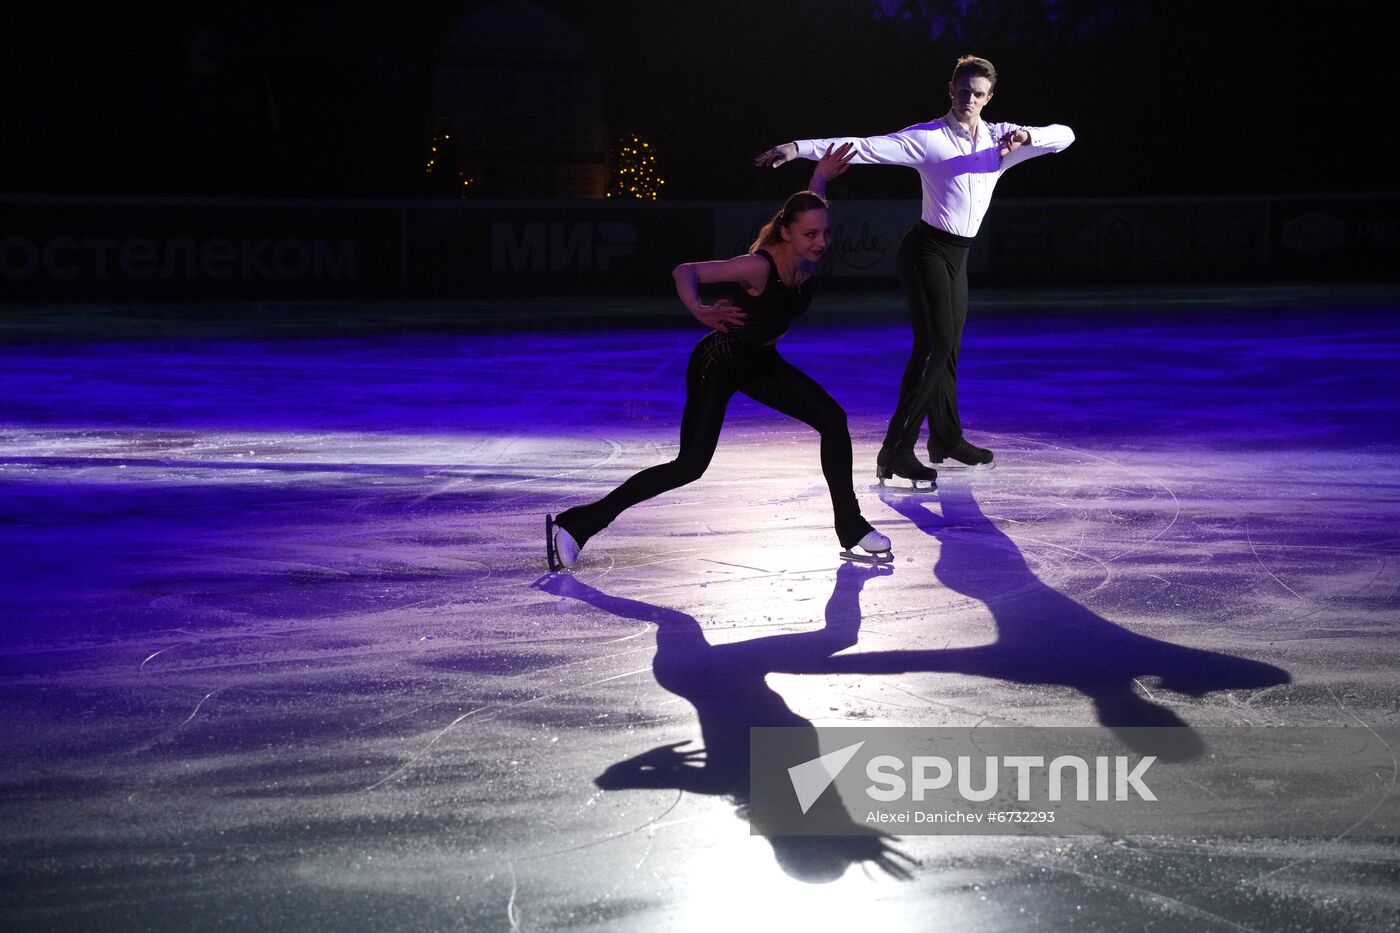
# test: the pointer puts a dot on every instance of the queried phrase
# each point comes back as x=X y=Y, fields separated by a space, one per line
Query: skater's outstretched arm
x=907 y=147
x=749 y=271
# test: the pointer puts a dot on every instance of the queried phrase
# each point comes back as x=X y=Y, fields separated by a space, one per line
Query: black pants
x=932 y=268
x=721 y=365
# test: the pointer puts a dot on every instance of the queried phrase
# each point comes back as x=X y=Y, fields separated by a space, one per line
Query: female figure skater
x=739 y=355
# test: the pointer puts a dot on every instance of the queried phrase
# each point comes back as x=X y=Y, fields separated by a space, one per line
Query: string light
x=635 y=172
x=441 y=149
x=433 y=148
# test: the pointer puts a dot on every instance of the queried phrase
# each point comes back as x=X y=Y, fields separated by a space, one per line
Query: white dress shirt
x=958 y=169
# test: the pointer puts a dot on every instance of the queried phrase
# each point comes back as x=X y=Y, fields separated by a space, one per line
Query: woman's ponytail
x=799 y=203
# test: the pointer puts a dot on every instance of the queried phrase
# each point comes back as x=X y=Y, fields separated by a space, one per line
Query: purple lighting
x=278 y=643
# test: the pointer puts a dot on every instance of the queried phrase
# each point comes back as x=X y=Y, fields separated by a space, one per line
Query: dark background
x=332 y=99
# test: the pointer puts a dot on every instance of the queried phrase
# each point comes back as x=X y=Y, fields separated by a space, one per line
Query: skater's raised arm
x=832 y=164
x=747 y=270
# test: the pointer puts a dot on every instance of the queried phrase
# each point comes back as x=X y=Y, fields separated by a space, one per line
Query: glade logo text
x=1101 y=778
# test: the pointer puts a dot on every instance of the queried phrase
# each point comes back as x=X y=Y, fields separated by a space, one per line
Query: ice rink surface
x=279 y=649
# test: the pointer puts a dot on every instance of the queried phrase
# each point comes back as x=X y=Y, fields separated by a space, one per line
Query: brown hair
x=977 y=67
x=799 y=203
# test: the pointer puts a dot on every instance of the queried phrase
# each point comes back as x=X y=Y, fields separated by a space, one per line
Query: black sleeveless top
x=771 y=312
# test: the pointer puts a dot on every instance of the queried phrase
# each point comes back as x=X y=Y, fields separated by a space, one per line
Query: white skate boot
x=560 y=547
x=874 y=548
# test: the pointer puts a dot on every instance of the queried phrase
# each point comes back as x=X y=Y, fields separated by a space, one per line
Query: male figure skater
x=959 y=159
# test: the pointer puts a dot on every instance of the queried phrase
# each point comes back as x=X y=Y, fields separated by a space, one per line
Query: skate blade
x=550 y=553
x=929 y=484
x=913 y=487
x=876 y=557
x=959 y=467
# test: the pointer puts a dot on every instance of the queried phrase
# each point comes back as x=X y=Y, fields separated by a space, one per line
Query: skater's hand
x=894 y=862
x=834 y=162
x=666 y=766
x=671 y=758
x=863 y=847
x=1013 y=141
x=776 y=156
x=720 y=315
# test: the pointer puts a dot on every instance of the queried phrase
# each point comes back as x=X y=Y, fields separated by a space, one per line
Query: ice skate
x=965 y=456
x=874 y=548
x=560 y=547
x=905 y=465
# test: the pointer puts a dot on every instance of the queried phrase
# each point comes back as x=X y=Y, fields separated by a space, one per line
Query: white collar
x=957 y=127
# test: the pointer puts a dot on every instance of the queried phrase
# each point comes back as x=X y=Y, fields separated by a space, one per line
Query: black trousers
x=721 y=365
x=932 y=266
